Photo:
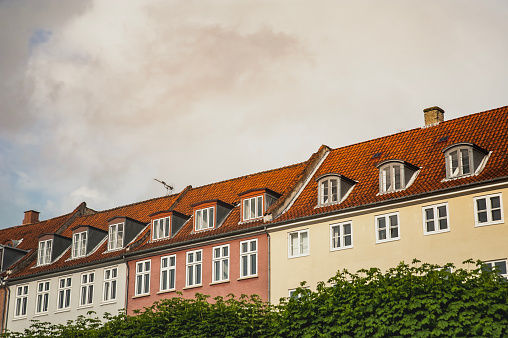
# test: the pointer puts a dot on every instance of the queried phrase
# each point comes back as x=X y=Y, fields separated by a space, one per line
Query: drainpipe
x=5 y=312
x=269 y=265
x=126 y=283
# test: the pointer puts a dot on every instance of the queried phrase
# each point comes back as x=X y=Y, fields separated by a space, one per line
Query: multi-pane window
x=221 y=263
x=249 y=258
x=109 y=284
x=391 y=177
x=161 y=228
x=328 y=191
x=341 y=236
x=459 y=162
x=194 y=262
x=115 y=236
x=21 y=301
x=499 y=266
x=86 y=293
x=488 y=209
x=143 y=277
x=79 y=244
x=298 y=243
x=387 y=227
x=435 y=219
x=168 y=273
x=42 y=297
x=44 y=252
x=252 y=208
x=205 y=218
x=64 y=293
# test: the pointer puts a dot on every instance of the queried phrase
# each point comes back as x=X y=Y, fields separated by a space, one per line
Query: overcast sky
x=98 y=98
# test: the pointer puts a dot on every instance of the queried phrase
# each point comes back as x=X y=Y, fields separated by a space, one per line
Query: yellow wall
x=462 y=242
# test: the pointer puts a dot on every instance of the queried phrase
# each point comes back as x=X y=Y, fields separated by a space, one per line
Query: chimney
x=31 y=216
x=433 y=115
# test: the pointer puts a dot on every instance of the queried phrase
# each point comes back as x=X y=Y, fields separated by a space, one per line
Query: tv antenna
x=168 y=187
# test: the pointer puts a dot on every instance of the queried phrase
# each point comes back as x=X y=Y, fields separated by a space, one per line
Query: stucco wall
x=462 y=242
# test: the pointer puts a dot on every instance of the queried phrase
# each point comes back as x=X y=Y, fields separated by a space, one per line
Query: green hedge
x=417 y=300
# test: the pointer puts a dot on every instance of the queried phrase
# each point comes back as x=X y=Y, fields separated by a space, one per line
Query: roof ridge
x=131 y=204
x=44 y=221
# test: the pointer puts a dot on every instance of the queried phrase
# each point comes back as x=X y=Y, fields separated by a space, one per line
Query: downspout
x=5 y=313
x=269 y=266
x=126 y=283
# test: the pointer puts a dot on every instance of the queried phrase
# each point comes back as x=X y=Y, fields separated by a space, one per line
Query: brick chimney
x=433 y=115
x=31 y=216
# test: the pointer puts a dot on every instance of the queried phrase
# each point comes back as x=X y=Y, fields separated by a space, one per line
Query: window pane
x=429 y=214
x=253 y=267
x=441 y=211
x=172 y=279
x=244 y=266
x=260 y=206
x=496 y=215
x=481 y=204
x=334 y=191
x=253 y=208
x=430 y=226
x=324 y=192
x=244 y=247
x=495 y=202
x=304 y=242
x=454 y=163
x=225 y=263
x=397 y=177
x=482 y=217
x=253 y=246
x=394 y=232
x=246 y=209
x=336 y=237
x=216 y=270
x=443 y=224
x=394 y=220
x=198 y=256
x=347 y=240
x=465 y=161
x=211 y=222
x=294 y=244
x=501 y=266
x=381 y=223
x=198 y=274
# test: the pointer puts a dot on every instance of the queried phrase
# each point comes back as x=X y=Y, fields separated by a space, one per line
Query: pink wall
x=257 y=285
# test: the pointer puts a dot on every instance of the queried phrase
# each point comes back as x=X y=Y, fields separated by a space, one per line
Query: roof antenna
x=169 y=188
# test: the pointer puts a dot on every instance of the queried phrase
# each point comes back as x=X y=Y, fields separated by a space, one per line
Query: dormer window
x=395 y=175
x=210 y=214
x=464 y=159
x=333 y=188
x=115 y=236
x=252 y=208
x=79 y=244
x=161 y=228
x=205 y=218
x=255 y=202
x=44 y=252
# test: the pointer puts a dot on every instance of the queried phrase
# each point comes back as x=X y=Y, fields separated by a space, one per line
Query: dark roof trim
x=172 y=212
x=342 y=177
x=468 y=144
x=54 y=235
x=227 y=205
x=126 y=218
x=266 y=190
x=87 y=226
x=407 y=164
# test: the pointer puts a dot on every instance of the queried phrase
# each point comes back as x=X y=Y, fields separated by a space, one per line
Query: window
x=252 y=208
x=116 y=236
x=168 y=273
x=391 y=177
x=21 y=301
x=109 y=285
x=44 y=252
x=299 y=243
x=488 y=210
x=143 y=278
x=87 y=280
x=64 y=293
x=161 y=228
x=435 y=219
x=194 y=261
x=387 y=227
x=42 y=297
x=459 y=162
x=464 y=159
x=248 y=258
x=205 y=218
x=79 y=244
x=221 y=263
x=498 y=266
x=328 y=191
x=341 y=236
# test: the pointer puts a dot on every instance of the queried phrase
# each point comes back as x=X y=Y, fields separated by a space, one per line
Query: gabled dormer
x=85 y=238
x=255 y=202
x=165 y=224
x=333 y=188
x=464 y=159
x=9 y=254
x=51 y=246
x=395 y=175
x=210 y=214
x=122 y=230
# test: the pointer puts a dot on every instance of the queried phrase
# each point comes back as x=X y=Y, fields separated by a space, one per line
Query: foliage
x=417 y=300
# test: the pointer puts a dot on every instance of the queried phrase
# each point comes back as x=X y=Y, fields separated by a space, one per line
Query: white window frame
x=161 y=228
x=200 y=222
x=42 y=297
x=459 y=170
x=489 y=210
x=86 y=290
x=142 y=284
x=110 y=284
x=44 y=252
x=492 y=265
x=64 y=293
x=387 y=178
x=220 y=263
x=301 y=245
x=326 y=189
x=341 y=237
x=435 y=219
x=116 y=236
x=79 y=241
x=388 y=227
x=21 y=301
x=247 y=212
x=248 y=258
x=194 y=268
x=166 y=273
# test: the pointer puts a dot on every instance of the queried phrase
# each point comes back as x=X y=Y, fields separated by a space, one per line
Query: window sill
x=436 y=232
x=108 y=302
x=248 y=277
x=387 y=240
x=87 y=306
x=342 y=248
x=141 y=296
x=192 y=287
x=299 y=256
x=19 y=318
x=220 y=282
x=166 y=291
x=479 y=225
x=40 y=315
x=63 y=310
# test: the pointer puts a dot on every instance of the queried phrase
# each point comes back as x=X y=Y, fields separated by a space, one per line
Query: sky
x=99 y=97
